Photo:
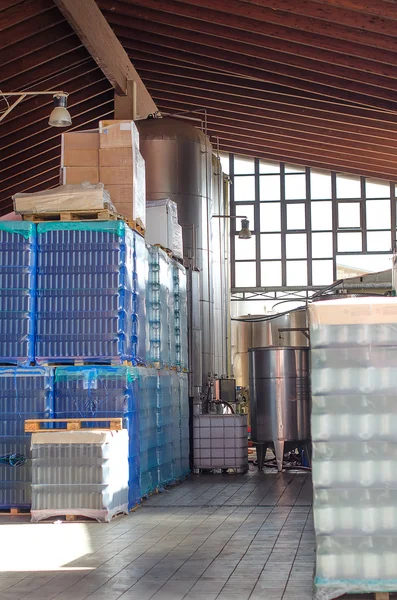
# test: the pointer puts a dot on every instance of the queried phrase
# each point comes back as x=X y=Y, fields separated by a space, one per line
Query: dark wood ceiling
x=311 y=82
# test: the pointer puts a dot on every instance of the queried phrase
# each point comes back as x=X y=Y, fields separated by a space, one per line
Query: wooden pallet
x=84 y=363
x=32 y=425
x=169 y=253
x=14 y=510
x=105 y=214
x=136 y=226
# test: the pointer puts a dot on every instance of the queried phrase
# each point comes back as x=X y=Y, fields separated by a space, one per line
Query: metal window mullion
x=309 y=228
x=393 y=214
x=232 y=224
x=257 y=223
x=363 y=216
x=334 y=222
x=283 y=208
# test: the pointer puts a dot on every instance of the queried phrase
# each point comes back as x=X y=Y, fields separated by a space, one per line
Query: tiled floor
x=224 y=537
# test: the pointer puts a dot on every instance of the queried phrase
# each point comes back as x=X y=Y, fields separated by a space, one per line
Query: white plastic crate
x=220 y=442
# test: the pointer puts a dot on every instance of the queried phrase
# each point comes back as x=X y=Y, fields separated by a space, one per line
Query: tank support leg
x=279 y=452
x=261 y=455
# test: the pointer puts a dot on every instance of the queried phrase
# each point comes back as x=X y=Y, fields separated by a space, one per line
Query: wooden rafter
x=99 y=39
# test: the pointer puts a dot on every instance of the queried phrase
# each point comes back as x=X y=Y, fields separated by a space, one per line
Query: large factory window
x=309 y=226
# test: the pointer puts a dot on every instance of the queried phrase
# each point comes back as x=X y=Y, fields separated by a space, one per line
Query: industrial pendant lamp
x=60 y=116
x=245 y=232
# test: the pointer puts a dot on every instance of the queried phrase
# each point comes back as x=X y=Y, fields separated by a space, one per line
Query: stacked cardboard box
x=110 y=156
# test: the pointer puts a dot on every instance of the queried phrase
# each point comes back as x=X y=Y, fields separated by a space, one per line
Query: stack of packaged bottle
x=81 y=293
x=354 y=432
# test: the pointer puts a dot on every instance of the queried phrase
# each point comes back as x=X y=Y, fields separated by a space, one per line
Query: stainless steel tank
x=251 y=332
x=178 y=159
x=279 y=398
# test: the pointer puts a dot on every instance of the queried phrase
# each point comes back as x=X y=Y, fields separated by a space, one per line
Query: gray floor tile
x=217 y=537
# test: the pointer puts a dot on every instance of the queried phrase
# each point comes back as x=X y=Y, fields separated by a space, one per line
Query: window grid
x=260 y=228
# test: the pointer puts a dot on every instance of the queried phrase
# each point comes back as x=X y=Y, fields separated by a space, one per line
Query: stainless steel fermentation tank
x=280 y=399
x=180 y=165
x=250 y=332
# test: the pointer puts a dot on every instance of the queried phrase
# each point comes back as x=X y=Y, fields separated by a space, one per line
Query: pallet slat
x=32 y=425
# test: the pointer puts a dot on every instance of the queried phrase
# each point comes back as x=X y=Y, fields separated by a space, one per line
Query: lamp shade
x=245 y=233
x=60 y=116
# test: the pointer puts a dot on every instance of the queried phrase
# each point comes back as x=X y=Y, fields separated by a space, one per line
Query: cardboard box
x=79 y=175
x=118 y=134
x=80 y=140
x=73 y=157
x=117 y=175
x=128 y=202
x=115 y=157
x=63 y=198
x=120 y=194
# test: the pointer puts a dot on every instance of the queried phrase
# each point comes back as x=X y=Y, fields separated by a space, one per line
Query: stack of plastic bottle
x=103 y=391
x=91 y=292
x=354 y=432
x=159 y=308
x=86 y=293
x=25 y=393
x=180 y=323
x=184 y=422
x=17 y=292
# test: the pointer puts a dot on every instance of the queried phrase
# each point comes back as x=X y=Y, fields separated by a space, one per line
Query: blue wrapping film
x=184 y=423
x=158 y=308
x=149 y=396
x=25 y=393
x=180 y=323
x=86 y=298
x=103 y=391
x=17 y=292
x=141 y=274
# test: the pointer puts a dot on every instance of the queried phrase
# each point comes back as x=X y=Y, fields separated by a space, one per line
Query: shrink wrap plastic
x=354 y=432
x=17 y=291
x=25 y=393
x=89 y=306
x=79 y=473
x=82 y=196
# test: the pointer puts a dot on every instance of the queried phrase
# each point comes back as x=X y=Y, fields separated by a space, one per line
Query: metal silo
x=178 y=160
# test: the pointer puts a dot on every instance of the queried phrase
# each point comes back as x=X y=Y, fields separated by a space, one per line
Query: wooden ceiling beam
x=262 y=34
x=23 y=11
x=247 y=150
x=245 y=68
x=326 y=11
x=198 y=101
x=32 y=45
x=256 y=58
x=32 y=63
x=291 y=21
x=304 y=134
x=327 y=153
x=86 y=74
x=377 y=8
x=35 y=25
x=81 y=90
x=271 y=50
x=209 y=93
x=251 y=89
x=40 y=131
x=99 y=39
x=18 y=81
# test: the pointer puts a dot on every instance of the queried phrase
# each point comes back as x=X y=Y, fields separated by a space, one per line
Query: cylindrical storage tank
x=249 y=331
x=178 y=159
x=279 y=398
